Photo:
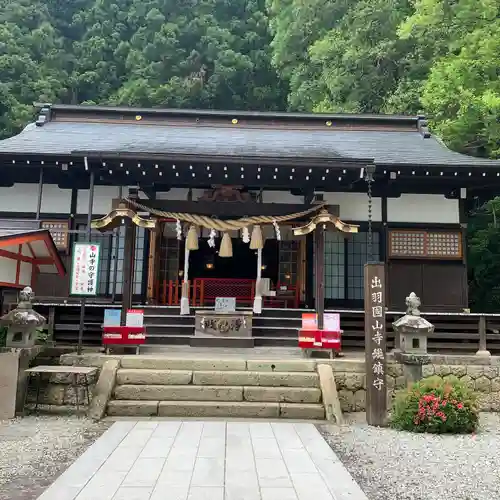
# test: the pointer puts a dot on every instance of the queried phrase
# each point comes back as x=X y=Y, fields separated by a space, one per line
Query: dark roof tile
x=384 y=147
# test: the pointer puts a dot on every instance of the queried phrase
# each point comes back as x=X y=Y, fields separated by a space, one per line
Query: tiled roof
x=397 y=147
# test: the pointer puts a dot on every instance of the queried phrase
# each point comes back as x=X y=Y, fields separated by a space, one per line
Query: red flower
x=460 y=406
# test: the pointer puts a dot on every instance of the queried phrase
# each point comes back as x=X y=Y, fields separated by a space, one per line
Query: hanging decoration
x=192 y=239
x=277 y=229
x=211 y=238
x=256 y=241
x=222 y=225
x=226 y=247
x=246 y=235
x=178 y=229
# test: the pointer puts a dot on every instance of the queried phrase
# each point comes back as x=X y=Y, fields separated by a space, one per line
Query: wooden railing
x=204 y=291
x=454 y=332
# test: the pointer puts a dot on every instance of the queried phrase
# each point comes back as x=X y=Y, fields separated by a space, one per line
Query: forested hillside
x=440 y=57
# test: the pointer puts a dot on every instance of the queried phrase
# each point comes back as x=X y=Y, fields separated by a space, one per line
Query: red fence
x=204 y=291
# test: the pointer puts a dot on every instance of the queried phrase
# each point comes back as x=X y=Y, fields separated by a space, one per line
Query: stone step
x=153 y=377
x=256 y=378
x=235 y=409
x=151 y=362
x=217 y=393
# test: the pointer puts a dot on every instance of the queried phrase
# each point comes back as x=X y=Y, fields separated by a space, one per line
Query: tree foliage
x=189 y=53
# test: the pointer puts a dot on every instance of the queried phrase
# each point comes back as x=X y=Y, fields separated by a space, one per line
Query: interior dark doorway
x=206 y=263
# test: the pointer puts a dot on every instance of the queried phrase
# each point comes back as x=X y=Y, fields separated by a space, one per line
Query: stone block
x=331 y=402
x=495 y=384
x=491 y=372
x=270 y=379
x=132 y=408
x=282 y=394
x=217 y=409
x=428 y=371
x=302 y=411
x=475 y=371
x=391 y=383
x=291 y=365
x=394 y=369
x=442 y=370
x=458 y=370
x=9 y=365
x=345 y=365
x=179 y=393
x=103 y=389
x=346 y=399
x=400 y=382
x=360 y=400
x=88 y=359
x=163 y=363
x=482 y=384
x=468 y=381
x=153 y=377
x=354 y=381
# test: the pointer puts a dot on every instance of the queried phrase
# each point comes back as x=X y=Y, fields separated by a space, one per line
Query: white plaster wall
x=432 y=208
x=103 y=196
x=281 y=197
x=354 y=206
x=25 y=273
x=24 y=198
x=8 y=270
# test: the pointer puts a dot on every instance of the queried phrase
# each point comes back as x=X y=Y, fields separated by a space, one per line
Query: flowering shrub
x=435 y=405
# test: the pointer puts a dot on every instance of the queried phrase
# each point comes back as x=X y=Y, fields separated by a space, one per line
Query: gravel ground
x=34 y=450
x=392 y=465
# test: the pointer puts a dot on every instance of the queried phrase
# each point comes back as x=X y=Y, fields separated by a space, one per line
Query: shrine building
x=148 y=180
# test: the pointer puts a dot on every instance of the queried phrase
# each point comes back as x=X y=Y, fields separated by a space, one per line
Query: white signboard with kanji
x=85 y=269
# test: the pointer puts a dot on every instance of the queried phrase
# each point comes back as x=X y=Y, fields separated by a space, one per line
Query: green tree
x=361 y=58
x=483 y=261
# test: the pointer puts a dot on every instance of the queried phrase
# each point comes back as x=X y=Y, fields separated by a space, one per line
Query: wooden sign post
x=375 y=345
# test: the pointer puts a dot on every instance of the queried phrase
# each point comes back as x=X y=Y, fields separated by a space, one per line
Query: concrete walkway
x=212 y=460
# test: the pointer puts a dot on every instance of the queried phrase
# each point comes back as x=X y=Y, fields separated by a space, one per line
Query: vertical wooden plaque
x=375 y=345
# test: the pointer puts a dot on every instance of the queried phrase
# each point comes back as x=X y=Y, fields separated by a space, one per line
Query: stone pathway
x=211 y=460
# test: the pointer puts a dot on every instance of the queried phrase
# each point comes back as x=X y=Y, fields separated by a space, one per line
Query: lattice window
x=288 y=264
x=417 y=244
x=59 y=232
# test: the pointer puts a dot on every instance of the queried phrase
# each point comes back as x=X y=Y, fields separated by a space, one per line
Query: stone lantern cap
x=23 y=316
x=412 y=322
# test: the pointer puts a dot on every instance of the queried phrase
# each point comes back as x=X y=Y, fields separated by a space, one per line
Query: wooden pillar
x=152 y=269
x=88 y=238
x=375 y=344
x=128 y=268
x=309 y=277
x=319 y=260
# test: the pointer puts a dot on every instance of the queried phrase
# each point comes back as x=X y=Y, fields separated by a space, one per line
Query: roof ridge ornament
x=45 y=115
x=423 y=127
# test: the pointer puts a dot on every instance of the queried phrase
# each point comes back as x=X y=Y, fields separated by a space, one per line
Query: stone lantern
x=412 y=331
x=22 y=322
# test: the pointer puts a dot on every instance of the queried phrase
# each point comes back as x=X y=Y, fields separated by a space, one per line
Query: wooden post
x=319 y=260
x=375 y=344
x=128 y=269
x=152 y=266
x=483 y=350
x=81 y=325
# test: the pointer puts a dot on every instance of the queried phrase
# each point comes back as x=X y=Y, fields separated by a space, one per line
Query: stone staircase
x=274 y=327
x=149 y=386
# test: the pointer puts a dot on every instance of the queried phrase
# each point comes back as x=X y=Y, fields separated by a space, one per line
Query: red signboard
x=124 y=335
x=312 y=338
